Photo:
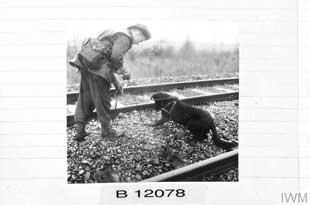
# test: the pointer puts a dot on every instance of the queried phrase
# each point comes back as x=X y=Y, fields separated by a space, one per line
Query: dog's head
x=161 y=99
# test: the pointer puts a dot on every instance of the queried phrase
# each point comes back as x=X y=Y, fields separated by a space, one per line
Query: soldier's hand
x=126 y=76
x=118 y=88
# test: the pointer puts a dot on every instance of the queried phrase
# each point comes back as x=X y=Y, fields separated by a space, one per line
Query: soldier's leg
x=100 y=90
x=85 y=106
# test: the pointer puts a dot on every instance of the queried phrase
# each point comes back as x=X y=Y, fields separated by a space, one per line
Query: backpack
x=94 y=53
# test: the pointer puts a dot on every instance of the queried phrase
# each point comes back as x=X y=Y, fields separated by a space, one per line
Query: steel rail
x=189 y=100
x=73 y=96
x=212 y=166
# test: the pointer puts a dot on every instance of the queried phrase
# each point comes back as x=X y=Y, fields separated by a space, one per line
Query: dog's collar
x=164 y=109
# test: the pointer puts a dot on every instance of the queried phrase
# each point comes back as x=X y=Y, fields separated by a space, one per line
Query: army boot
x=80 y=132
x=108 y=132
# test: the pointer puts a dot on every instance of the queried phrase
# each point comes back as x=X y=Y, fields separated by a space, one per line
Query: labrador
x=199 y=122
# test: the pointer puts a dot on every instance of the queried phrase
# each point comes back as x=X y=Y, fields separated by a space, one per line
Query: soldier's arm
x=120 y=47
x=116 y=83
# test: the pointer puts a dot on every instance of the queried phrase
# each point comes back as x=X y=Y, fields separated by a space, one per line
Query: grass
x=158 y=61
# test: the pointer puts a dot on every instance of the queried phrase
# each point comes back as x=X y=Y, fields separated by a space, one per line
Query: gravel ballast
x=147 y=151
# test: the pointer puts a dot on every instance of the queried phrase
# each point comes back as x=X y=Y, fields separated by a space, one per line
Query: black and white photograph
x=170 y=102
x=153 y=101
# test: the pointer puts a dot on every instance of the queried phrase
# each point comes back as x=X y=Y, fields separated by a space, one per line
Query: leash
x=115 y=107
x=136 y=102
x=116 y=97
x=173 y=103
x=113 y=120
x=138 y=112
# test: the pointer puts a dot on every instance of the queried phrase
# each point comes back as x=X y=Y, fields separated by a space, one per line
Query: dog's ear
x=163 y=96
x=155 y=96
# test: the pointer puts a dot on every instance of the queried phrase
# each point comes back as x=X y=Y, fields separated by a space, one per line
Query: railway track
x=133 y=90
x=212 y=166
x=73 y=96
x=189 y=100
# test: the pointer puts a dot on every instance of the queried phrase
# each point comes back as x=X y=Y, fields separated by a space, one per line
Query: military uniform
x=95 y=84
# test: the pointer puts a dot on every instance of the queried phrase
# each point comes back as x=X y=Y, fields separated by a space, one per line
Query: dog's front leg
x=159 y=122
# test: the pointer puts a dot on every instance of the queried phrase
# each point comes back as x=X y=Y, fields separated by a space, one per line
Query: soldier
x=96 y=83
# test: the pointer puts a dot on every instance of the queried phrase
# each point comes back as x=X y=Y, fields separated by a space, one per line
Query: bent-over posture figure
x=98 y=73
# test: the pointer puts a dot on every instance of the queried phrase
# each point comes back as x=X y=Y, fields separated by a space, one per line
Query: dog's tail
x=223 y=143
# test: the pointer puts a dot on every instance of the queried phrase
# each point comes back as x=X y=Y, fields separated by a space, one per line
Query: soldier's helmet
x=143 y=29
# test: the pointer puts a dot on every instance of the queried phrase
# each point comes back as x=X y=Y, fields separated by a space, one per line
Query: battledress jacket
x=120 y=43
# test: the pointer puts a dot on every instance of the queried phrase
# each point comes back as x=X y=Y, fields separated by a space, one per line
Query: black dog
x=199 y=122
